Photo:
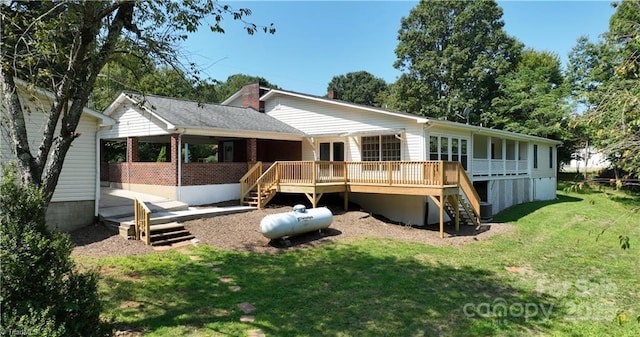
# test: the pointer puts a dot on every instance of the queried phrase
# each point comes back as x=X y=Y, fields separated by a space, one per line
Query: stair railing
x=250 y=179
x=469 y=191
x=267 y=181
x=142 y=221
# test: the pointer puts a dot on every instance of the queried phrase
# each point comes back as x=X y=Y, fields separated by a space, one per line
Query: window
x=439 y=149
x=550 y=157
x=390 y=148
x=325 y=154
x=381 y=148
x=444 y=148
x=433 y=148
x=535 y=156
x=463 y=153
x=455 y=154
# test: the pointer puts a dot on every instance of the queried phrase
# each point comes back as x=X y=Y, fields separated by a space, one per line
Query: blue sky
x=318 y=40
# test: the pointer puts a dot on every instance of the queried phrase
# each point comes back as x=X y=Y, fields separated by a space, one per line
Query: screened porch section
x=499 y=157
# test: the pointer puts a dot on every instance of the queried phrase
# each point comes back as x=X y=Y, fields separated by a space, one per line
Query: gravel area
x=241 y=232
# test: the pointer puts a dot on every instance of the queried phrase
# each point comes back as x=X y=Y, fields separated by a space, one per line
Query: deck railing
x=431 y=173
x=142 y=220
x=383 y=173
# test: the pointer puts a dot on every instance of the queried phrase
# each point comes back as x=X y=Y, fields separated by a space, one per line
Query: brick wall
x=143 y=173
x=212 y=173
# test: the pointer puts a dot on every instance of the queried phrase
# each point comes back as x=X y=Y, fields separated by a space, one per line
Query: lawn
x=560 y=272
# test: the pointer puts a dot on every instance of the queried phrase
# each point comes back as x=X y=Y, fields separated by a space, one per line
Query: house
x=409 y=168
x=587 y=159
x=243 y=134
x=75 y=201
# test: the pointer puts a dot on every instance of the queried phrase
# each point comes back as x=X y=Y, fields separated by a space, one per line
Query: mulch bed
x=241 y=232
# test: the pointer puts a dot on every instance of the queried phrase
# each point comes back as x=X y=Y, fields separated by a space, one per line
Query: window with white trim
x=449 y=149
x=381 y=148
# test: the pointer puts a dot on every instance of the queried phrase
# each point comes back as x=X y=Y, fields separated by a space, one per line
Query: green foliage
x=42 y=293
x=359 y=87
x=162 y=156
x=62 y=47
x=387 y=287
x=532 y=100
x=451 y=54
x=235 y=82
x=605 y=76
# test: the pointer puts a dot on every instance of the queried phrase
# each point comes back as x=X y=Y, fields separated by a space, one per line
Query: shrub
x=42 y=293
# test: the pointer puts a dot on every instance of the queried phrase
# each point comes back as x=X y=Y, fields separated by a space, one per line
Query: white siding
x=318 y=118
x=78 y=177
x=134 y=122
x=543 y=170
x=236 y=101
x=544 y=188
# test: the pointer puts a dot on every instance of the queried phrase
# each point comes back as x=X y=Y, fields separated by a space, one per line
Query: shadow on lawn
x=517 y=212
x=335 y=290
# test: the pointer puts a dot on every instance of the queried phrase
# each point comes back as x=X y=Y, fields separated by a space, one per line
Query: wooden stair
x=467 y=217
x=258 y=200
x=169 y=233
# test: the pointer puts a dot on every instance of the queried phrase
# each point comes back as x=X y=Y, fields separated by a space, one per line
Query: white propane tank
x=300 y=220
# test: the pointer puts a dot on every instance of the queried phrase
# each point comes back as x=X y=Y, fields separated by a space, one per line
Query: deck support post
x=441 y=214
x=346 y=201
x=439 y=201
x=314 y=198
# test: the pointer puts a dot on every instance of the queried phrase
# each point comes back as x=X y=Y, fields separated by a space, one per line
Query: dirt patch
x=98 y=241
x=241 y=232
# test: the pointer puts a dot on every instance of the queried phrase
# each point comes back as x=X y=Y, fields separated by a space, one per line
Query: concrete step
x=166 y=227
x=160 y=220
x=154 y=206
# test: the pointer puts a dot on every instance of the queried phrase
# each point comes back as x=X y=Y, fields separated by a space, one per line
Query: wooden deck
x=445 y=182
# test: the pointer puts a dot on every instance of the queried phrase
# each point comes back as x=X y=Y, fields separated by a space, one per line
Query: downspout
x=179 y=165
x=97 y=192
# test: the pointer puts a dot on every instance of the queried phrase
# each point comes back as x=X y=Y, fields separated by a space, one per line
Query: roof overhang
x=273 y=92
x=104 y=119
x=123 y=97
x=382 y=132
x=479 y=130
x=236 y=95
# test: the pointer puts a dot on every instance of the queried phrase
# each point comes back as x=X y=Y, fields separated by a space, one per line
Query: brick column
x=175 y=151
x=252 y=150
x=175 y=156
x=132 y=149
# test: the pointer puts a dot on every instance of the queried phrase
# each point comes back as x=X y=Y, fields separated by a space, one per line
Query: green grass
x=562 y=264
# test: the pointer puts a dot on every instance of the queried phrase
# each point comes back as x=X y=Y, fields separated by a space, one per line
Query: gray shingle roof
x=190 y=114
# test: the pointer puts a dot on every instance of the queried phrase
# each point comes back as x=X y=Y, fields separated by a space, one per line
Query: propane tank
x=300 y=220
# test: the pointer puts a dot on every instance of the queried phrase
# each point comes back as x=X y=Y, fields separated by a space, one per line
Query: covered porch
x=196 y=169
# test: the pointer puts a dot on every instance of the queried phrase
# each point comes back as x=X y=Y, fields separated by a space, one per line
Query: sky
x=317 y=40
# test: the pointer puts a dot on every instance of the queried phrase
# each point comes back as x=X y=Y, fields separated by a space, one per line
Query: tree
x=451 y=54
x=359 y=87
x=533 y=100
x=67 y=61
x=42 y=292
x=235 y=82
x=606 y=76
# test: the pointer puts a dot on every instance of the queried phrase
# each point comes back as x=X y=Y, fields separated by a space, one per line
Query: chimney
x=332 y=94
x=251 y=96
